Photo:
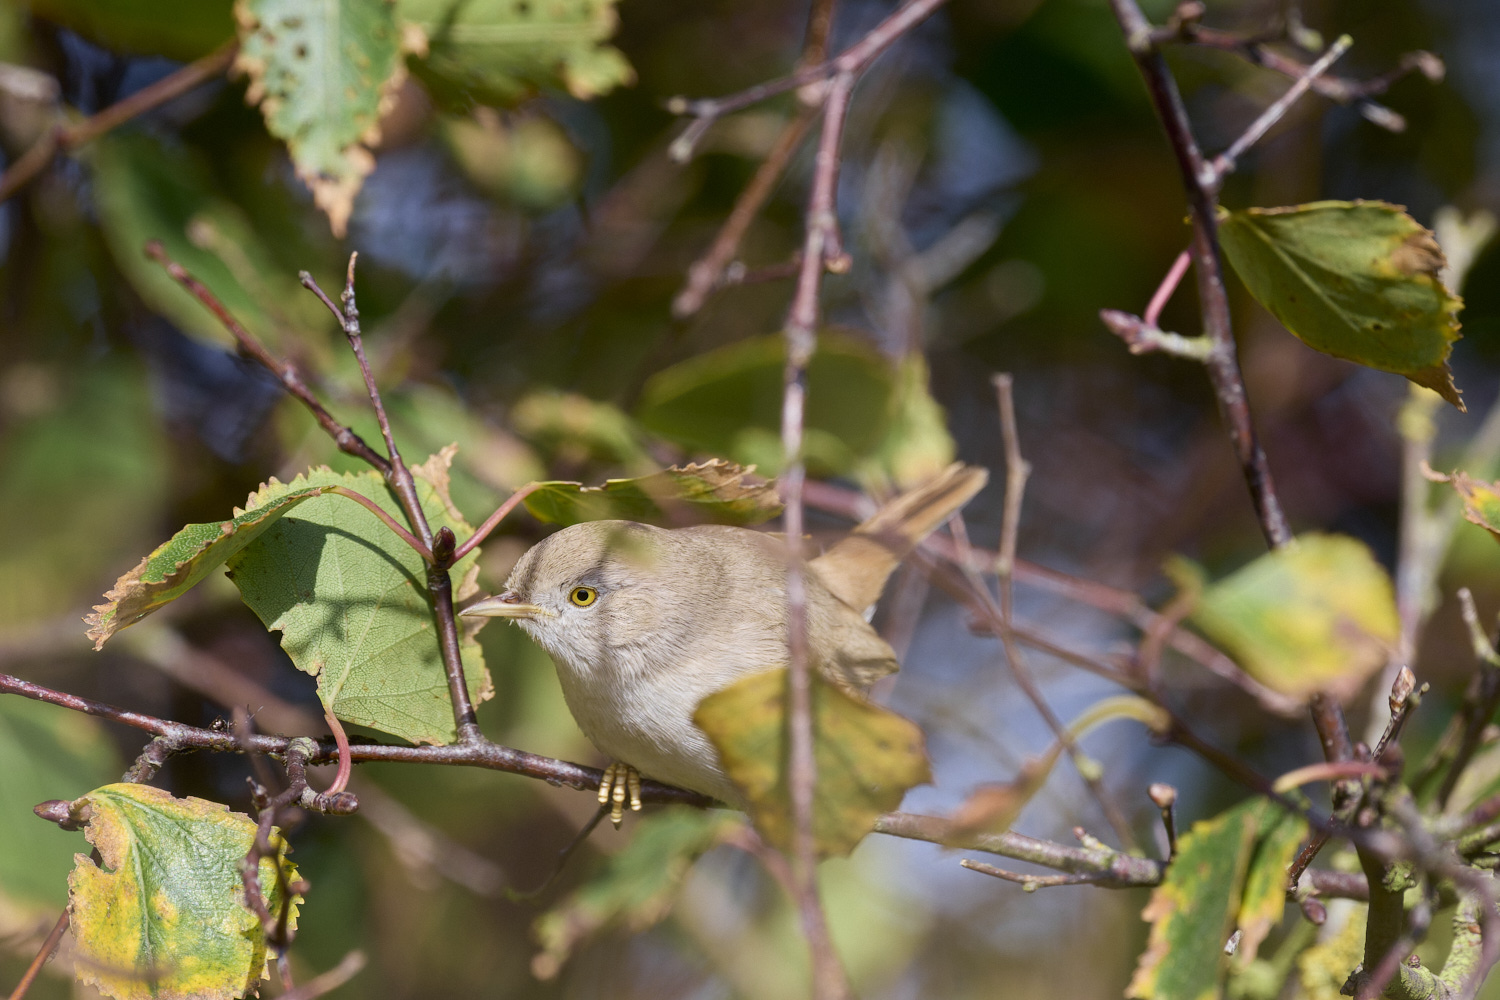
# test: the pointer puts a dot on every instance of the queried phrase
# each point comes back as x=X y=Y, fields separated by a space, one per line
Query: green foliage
x=1357 y=280
x=1264 y=898
x=350 y=599
x=146 y=190
x=1193 y=910
x=712 y=493
x=1318 y=615
x=917 y=445
x=867 y=758
x=181 y=29
x=90 y=451
x=319 y=73
x=500 y=49
x=164 y=916
x=45 y=753
x=728 y=402
x=181 y=562
x=636 y=887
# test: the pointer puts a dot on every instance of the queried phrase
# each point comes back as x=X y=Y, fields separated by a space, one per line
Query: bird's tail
x=855 y=570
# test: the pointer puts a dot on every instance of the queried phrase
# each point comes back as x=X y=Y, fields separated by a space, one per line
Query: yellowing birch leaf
x=181 y=562
x=164 y=918
x=867 y=758
x=1318 y=615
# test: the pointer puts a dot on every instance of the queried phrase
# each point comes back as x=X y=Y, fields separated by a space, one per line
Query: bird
x=644 y=622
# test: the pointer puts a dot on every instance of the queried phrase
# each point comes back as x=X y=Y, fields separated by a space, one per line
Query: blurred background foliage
x=521 y=237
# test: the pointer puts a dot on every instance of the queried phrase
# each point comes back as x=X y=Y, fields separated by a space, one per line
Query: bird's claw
x=620 y=781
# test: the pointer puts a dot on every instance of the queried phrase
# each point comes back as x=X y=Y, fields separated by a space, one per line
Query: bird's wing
x=855 y=570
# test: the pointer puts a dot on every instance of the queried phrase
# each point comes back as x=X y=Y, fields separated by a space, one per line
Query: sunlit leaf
x=181 y=562
x=350 y=599
x=917 y=445
x=712 y=493
x=528 y=162
x=1264 y=897
x=146 y=190
x=180 y=29
x=1481 y=501
x=500 y=50
x=1318 y=615
x=1192 y=912
x=867 y=758
x=728 y=402
x=636 y=887
x=45 y=753
x=319 y=73
x=164 y=917
x=1357 y=280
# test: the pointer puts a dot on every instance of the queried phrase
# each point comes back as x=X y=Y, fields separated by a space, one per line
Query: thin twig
x=493 y=521
x=67 y=137
x=1166 y=288
x=801 y=335
x=1029 y=882
x=53 y=939
x=348 y=442
x=1017 y=471
x=327 y=982
x=1224 y=163
x=386 y=519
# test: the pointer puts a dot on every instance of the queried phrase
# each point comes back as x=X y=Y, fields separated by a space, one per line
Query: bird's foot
x=620 y=781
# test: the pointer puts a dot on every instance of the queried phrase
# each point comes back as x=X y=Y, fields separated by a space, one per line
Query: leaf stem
x=54 y=938
x=493 y=521
x=388 y=520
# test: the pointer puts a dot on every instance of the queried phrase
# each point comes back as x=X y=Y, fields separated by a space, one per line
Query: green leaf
x=1481 y=501
x=1192 y=911
x=319 y=73
x=179 y=29
x=1264 y=898
x=1357 y=280
x=636 y=887
x=867 y=757
x=500 y=50
x=1318 y=615
x=350 y=599
x=145 y=191
x=46 y=752
x=917 y=446
x=181 y=562
x=164 y=917
x=712 y=493
x=728 y=402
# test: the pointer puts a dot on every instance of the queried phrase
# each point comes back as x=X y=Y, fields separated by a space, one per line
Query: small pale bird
x=643 y=623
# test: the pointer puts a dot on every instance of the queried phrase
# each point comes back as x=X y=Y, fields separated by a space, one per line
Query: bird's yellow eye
x=583 y=596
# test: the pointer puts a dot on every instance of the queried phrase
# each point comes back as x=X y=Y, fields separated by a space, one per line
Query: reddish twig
x=348 y=442
x=493 y=521
x=66 y=137
x=386 y=519
x=54 y=938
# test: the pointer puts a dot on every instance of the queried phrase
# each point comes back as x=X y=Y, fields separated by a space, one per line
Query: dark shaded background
x=1007 y=148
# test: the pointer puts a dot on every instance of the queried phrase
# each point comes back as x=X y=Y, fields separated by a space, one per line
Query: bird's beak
x=506 y=605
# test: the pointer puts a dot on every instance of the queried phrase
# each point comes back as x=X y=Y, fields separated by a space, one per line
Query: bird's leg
x=619 y=781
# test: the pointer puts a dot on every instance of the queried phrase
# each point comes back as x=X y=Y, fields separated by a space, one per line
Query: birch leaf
x=350 y=600
x=1354 y=279
x=867 y=758
x=163 y=918
x=320 y=74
